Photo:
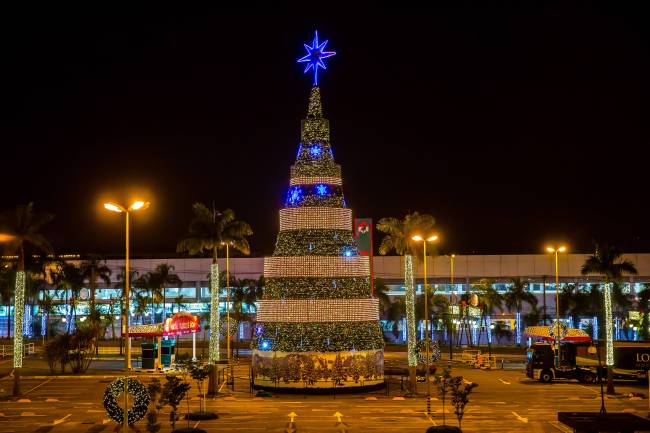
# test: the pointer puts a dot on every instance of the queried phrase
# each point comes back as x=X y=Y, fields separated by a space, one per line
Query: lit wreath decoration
x=223 y=326
x=421 y=351
x=140 y=404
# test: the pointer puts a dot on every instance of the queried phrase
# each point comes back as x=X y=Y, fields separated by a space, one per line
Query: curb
x=84 y=377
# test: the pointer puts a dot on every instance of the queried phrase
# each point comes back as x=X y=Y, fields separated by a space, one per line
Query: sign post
x=363 y=235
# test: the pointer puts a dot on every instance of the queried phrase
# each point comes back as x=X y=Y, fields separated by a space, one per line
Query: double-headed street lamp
x=556 y=251
x=431 y=238
x=114 y=207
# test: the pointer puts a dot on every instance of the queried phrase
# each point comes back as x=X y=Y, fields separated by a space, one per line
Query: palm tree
x=490 y=300
x=161 y=278
x=71 y=278
x=141 y=299
x=23 y=225
x=46 y=304
x=119 y=285
x=145 y=294
x=515 y=298
x=94 y=268
x=398 y=238
x=114 y=308
x=209 y=230
x=607 y=261
x=240 y=297
x=642 y=305
x=381 y=293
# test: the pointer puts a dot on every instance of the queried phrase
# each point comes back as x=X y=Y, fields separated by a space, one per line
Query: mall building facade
x=537 y=270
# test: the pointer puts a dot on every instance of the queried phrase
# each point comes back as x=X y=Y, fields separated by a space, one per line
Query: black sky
x=510 y=126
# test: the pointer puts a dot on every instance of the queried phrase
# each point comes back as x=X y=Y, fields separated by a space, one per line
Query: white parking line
x=38 y=386
x=595 y=392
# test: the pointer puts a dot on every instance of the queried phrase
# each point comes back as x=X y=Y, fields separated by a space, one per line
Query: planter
x=200 y=416
x=444 y=429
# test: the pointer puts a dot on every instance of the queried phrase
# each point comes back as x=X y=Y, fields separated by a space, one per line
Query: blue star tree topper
x=315 y=55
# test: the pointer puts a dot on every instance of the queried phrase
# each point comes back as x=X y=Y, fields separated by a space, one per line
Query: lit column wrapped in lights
x=518 y=327
x=595 y=327
x=214 y=313
x=28 y=322
x=488 y=328
x=609 y=344
x=409 y=298
x=19 y=311
x=474 y=333
x=43 y=323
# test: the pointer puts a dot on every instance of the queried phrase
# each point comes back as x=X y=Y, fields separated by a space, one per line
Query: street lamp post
x=431 y=238
x=114 y=207
x=556 y=251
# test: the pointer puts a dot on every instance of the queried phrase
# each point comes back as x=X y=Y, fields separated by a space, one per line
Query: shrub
x=460 y=392
x=173 y=393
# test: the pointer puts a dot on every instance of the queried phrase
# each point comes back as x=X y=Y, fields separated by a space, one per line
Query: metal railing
x=8 y=350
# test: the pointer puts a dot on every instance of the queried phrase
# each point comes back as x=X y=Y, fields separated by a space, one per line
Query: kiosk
x=179 y=324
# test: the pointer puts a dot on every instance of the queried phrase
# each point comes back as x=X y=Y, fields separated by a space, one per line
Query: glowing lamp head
x=5 y=237
x=139 y=205
x=562 y=249
x=417 y=238
x=432 y=238
x=113 y=207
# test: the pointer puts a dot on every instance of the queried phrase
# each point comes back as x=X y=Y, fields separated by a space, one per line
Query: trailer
x=580 y=361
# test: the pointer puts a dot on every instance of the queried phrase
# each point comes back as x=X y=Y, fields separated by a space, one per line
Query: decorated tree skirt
x=318 y=370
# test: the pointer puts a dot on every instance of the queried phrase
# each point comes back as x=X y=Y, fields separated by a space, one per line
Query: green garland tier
x=315 y=242
x=320 y=337
x=317 y=308
x=317 y=288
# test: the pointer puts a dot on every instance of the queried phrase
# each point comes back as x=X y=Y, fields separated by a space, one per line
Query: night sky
x=511 y=126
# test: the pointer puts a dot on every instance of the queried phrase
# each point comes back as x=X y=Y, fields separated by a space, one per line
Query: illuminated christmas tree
x=317 y=308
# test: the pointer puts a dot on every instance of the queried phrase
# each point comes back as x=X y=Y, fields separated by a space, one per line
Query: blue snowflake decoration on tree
x=294 y=195
x=315 y=151
x=314 y=57
x=321 y=189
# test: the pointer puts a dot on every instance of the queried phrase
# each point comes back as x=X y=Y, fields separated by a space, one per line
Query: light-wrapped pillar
x=609 y=338
x=214 y=313
x=19 y=310
x=409 y=298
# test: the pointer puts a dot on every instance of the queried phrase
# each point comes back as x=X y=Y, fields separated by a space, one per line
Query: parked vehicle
x=579 y=361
